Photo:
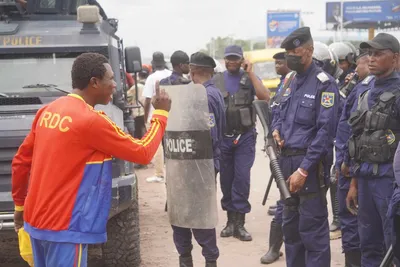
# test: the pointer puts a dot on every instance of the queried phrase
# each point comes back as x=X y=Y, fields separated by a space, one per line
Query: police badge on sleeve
x=327 y=99
x=211 y=120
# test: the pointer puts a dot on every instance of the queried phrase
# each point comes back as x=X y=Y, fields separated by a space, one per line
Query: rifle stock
x=264 y=114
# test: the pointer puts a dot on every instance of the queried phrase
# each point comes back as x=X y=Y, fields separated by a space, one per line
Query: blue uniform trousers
x=54 y=254
x=375 y=229
x=348 y=221
x=305 y=227
x=236 y=162
x=206 y=238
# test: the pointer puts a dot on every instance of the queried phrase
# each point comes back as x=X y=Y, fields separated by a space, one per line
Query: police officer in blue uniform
x=180 y=66
x=276 y=234
x=305 y=132
x=201 y=71
x=348 y=220
x=282 y=70
x=239 y=88
x=375 y=127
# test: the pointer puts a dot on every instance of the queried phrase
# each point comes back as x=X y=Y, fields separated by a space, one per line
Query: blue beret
x=202 y=60
x=297 y=38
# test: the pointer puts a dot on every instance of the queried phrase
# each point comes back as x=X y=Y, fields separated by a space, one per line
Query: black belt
x=290 y=152
x=237 y=132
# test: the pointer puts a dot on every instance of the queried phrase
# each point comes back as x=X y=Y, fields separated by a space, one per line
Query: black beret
x=297 y=38
x=179 y=57
x=280 y=55
x=202 y=60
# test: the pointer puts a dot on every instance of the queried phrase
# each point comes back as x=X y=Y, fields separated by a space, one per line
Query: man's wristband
x=19 y=208
x=301 y=172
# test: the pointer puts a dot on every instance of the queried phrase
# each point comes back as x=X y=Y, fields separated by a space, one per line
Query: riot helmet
x=327 y=59
x=355 y=52
x=345 y=54
x=342 y=50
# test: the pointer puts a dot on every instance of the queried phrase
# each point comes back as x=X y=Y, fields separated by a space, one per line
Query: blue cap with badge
x=233 y=50
x=297 y=38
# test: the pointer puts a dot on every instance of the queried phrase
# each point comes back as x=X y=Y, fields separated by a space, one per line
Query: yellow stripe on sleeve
x=19 y=208
x=161 y=112
x=151 y=133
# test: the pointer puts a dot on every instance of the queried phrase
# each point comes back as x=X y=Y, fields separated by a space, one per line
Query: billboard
x=279 y=25
x=363 y=15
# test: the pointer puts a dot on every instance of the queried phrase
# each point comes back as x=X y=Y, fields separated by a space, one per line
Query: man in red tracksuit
x=61 y=174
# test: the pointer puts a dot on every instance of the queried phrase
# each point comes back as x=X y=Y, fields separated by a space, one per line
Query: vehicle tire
x=123 y=245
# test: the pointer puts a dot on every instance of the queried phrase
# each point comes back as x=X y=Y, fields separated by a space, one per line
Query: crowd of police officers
x=335 y=120
x=338 y=107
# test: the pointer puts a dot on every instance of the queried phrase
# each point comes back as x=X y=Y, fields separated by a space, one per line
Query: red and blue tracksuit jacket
x=61 y=174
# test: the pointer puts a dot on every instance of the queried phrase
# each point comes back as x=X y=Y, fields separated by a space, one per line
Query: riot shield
x=190 y=174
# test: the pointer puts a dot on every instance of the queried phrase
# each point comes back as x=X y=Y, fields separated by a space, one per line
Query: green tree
x=216 y=46
x=259 y=45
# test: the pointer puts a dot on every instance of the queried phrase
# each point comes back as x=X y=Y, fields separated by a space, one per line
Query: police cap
x=280 y=55
x=202 y=60
x=382 y=41
x=179 y=57
x=297 y=38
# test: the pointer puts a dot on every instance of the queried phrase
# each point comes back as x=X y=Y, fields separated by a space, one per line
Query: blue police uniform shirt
x=217 y=118
x=232 y=82
x=343 y=132
x=308 y=114
x=281 y=82
x=274 y=106
x=171 y=79
x=379 y=86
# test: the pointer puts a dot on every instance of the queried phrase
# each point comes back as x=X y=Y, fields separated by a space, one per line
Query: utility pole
x=341 y=20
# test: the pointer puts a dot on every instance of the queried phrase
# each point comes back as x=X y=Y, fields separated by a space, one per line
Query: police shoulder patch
x=327 y=99
x=323 y=77
x=211 y=120
x=367 y=80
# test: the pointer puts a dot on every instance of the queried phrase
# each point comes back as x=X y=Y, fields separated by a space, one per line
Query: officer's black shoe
x=211 y=264
x=241 y=232
x=353 y=258
x=275 y=244
x=230 y=225
x=186 y=261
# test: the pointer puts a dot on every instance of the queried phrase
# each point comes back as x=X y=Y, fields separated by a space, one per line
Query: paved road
x=158 y=248
x=156 y=237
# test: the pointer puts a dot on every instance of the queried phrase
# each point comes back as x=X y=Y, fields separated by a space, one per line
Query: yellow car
x=264 y=66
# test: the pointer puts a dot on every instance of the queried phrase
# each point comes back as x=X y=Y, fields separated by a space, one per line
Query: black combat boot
x=275 y=244
x=230 y=225
x=186 y=261
x=352 y=258
x=334 y=228
x=241 y=232
x=211 y=264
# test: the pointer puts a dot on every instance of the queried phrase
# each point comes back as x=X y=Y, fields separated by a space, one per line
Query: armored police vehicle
x=38 y=44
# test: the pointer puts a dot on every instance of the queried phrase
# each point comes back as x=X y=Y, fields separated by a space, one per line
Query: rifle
x=388 y=259
x=264 y=114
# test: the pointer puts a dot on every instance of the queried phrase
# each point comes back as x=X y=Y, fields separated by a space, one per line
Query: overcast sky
x=169 y=25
